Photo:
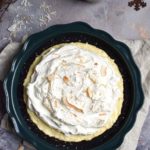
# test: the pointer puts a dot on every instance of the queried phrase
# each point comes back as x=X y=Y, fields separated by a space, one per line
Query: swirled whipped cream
x=73 y=90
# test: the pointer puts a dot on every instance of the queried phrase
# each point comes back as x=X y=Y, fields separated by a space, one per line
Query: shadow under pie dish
x=44 y=134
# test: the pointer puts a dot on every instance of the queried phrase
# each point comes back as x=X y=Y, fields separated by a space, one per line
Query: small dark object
x=137 y=4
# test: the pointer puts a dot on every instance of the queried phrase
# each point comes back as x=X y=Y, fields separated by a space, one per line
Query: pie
x=73 y=91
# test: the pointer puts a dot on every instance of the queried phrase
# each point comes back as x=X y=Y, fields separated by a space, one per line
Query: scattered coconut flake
x=16 y=26
x=23 y=22
x=48 y=14
x=26 y=3
x=19 y=23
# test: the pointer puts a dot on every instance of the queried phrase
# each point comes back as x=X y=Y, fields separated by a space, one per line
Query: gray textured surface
x=8 y=141
x=144 y=140
x=114 y=16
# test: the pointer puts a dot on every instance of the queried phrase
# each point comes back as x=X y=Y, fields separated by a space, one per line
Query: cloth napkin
x=140 y=50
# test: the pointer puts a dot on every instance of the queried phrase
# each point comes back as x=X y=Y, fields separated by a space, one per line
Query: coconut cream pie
x=73 y=92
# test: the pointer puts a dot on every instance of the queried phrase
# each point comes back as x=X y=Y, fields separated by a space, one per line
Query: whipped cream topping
x=73 y=90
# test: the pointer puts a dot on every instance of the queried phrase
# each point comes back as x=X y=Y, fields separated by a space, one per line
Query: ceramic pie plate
x=73 y=32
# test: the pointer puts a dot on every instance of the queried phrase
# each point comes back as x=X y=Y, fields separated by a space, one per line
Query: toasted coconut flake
x=103 y=71
x=49 y=77
x=92 y=79
x=102 y=113
x=82 y=60
x=72 y=106
x=66 y=79
x=88 y=92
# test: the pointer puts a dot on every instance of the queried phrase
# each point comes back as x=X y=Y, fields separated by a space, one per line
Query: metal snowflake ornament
x=137 y=4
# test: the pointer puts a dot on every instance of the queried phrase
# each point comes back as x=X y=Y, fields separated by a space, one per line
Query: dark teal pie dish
x=73 y=32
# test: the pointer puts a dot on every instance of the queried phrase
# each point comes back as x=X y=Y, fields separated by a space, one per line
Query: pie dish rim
x=37 y=39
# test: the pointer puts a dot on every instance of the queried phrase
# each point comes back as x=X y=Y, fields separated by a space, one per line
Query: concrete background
x=114 y=16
